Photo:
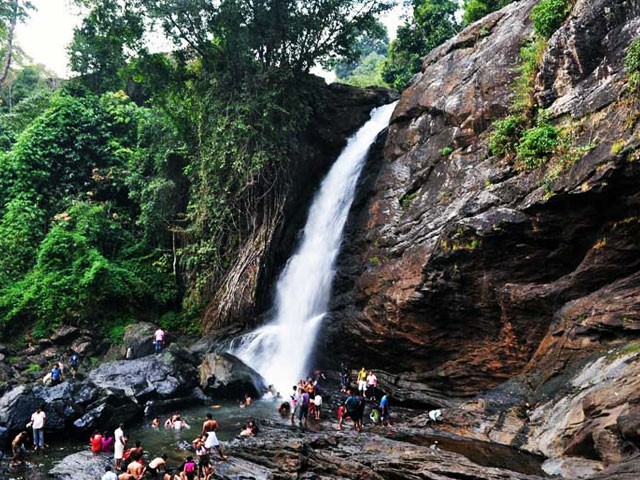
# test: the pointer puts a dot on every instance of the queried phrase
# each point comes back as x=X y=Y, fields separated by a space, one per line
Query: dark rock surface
x=224 y=376
x=139 y=338
x=81 y=465
x=168 y=374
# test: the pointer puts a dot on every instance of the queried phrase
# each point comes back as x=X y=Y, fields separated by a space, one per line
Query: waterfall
x=280 y=350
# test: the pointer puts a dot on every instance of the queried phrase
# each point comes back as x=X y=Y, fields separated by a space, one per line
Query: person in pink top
x=158 y=339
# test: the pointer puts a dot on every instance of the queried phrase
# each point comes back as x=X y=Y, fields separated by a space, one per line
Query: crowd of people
x=130 y=464
x=305 y=401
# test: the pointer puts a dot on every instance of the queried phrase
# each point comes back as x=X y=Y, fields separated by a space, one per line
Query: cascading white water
x=280 y=350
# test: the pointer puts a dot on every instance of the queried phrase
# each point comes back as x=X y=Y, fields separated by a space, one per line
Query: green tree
x=375 y=41
x=433 y=22
x=110 y=33
x=11 y=12
x=476 y=9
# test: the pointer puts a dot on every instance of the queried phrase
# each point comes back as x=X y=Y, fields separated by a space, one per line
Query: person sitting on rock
x=250 y=429
x=109 y=474
x=96 y=442
x=170 y=475
x=136 y=468
x=188 y=470
x=107 y=444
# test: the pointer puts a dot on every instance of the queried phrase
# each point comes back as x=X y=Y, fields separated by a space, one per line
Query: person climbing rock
x=158 y=339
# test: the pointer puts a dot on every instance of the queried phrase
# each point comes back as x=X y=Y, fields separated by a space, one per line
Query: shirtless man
x=209 y=428
x=17 y=447
x=135 y=468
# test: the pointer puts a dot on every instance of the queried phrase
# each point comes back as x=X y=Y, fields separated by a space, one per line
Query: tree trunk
x=9 y=53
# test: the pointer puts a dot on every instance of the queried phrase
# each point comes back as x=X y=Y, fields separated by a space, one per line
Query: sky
x=46 y=34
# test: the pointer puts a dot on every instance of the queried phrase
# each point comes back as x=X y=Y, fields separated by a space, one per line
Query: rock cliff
x=462 y=270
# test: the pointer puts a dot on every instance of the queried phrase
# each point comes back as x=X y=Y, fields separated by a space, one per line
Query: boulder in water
x=225 y=376
x=170 y=374
x=81 y=465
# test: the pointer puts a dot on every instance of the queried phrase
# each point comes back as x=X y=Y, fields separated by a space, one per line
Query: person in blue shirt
x=74 y=362
x=56 y=374
x=384 y=409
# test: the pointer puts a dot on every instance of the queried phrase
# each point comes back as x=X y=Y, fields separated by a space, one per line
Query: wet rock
x=85 y=465
x=224 y=376
x=139 y=338
x=170 y=374
x=111 y=409
x=287 y=454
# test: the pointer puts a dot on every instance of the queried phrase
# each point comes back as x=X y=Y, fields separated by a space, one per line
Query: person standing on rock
x=37 y=424
x=353 y=410
x=118 y=448
x=74 y=363
x=362 y=381
x=209 y=428
x=372 y=383
x=158 y=339
x=384 y=409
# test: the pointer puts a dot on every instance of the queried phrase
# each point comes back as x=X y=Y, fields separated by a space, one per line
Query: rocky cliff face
x=461 y=271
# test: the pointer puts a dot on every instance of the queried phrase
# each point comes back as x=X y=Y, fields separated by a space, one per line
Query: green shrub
x=537 y=144
x=632 y=60
x=548 y=15
x=33 y=368
x=530 y=57
x=446 y=151
x=505 y=134
x=116 y=334
x=618 y=146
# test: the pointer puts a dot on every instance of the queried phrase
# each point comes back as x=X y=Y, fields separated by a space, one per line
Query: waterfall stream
x=280 y=350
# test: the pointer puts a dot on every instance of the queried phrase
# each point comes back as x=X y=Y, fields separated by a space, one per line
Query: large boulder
x=223 y=375
x=81 y=465
x=112 y=408
x=138 y=339
x=169 y=374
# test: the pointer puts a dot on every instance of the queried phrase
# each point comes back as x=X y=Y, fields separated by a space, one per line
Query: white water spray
x=280 y=350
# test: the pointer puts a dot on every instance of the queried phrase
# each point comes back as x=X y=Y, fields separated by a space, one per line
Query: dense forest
x=125 y=190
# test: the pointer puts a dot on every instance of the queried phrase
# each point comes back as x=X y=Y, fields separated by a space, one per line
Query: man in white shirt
x=37 y=423
x=108 y=474
x=118 y=447
x=158 y=339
